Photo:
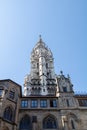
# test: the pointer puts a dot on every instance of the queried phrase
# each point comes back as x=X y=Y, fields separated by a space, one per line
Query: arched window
x=72 y=124
x=49 y=123
x=25 y=123
x=8 y=114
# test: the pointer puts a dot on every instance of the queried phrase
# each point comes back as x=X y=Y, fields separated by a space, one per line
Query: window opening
x=49 y=123
x=34 y=103
x=64 y=89
x=53 y=103
x=24 y=103
x=8 y=114
x=43 y=103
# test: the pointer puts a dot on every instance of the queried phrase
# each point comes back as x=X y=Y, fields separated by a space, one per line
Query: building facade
x=48 y=101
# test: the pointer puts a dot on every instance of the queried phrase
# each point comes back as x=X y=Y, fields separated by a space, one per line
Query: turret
x=41 y=80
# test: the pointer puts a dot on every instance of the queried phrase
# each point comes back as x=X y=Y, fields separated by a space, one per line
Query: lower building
x=48 y=101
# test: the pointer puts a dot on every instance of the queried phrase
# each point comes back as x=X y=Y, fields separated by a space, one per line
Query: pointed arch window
x=25 y=123
x=8 y=114
x=49 y=123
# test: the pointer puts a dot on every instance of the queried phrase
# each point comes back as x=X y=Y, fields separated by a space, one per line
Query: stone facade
x=48 y=102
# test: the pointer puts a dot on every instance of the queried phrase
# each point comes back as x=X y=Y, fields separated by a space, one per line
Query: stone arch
x=25 y=123
x=49 y=122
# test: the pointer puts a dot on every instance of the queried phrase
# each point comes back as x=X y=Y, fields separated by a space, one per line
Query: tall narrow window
x=11 y=94
x=72 y=124
x=8 y=114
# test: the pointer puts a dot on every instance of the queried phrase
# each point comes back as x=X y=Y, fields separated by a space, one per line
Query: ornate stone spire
x=42 y=74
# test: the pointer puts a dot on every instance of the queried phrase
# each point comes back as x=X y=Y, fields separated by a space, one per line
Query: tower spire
x=40 y=39
x=42 y=74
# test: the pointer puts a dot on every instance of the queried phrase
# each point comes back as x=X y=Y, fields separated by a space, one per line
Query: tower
x=48 y=102
x=42 y=80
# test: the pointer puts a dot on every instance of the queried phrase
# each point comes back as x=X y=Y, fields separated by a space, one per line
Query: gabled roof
x=9 y=80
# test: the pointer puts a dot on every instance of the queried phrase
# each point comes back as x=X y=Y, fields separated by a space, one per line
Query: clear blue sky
x=63 y=26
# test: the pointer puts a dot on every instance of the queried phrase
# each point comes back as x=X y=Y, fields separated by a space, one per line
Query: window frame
x=53 y=103
x=24 y=103
x=8 y=114
x=43 y=103
x=34 y=103
x=49 y=123
x=64 y=89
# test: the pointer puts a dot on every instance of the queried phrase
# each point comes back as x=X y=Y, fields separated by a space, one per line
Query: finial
x=40 y=39
x=61 y=72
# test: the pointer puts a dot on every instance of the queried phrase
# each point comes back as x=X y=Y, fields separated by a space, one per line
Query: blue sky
x=63 y=26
